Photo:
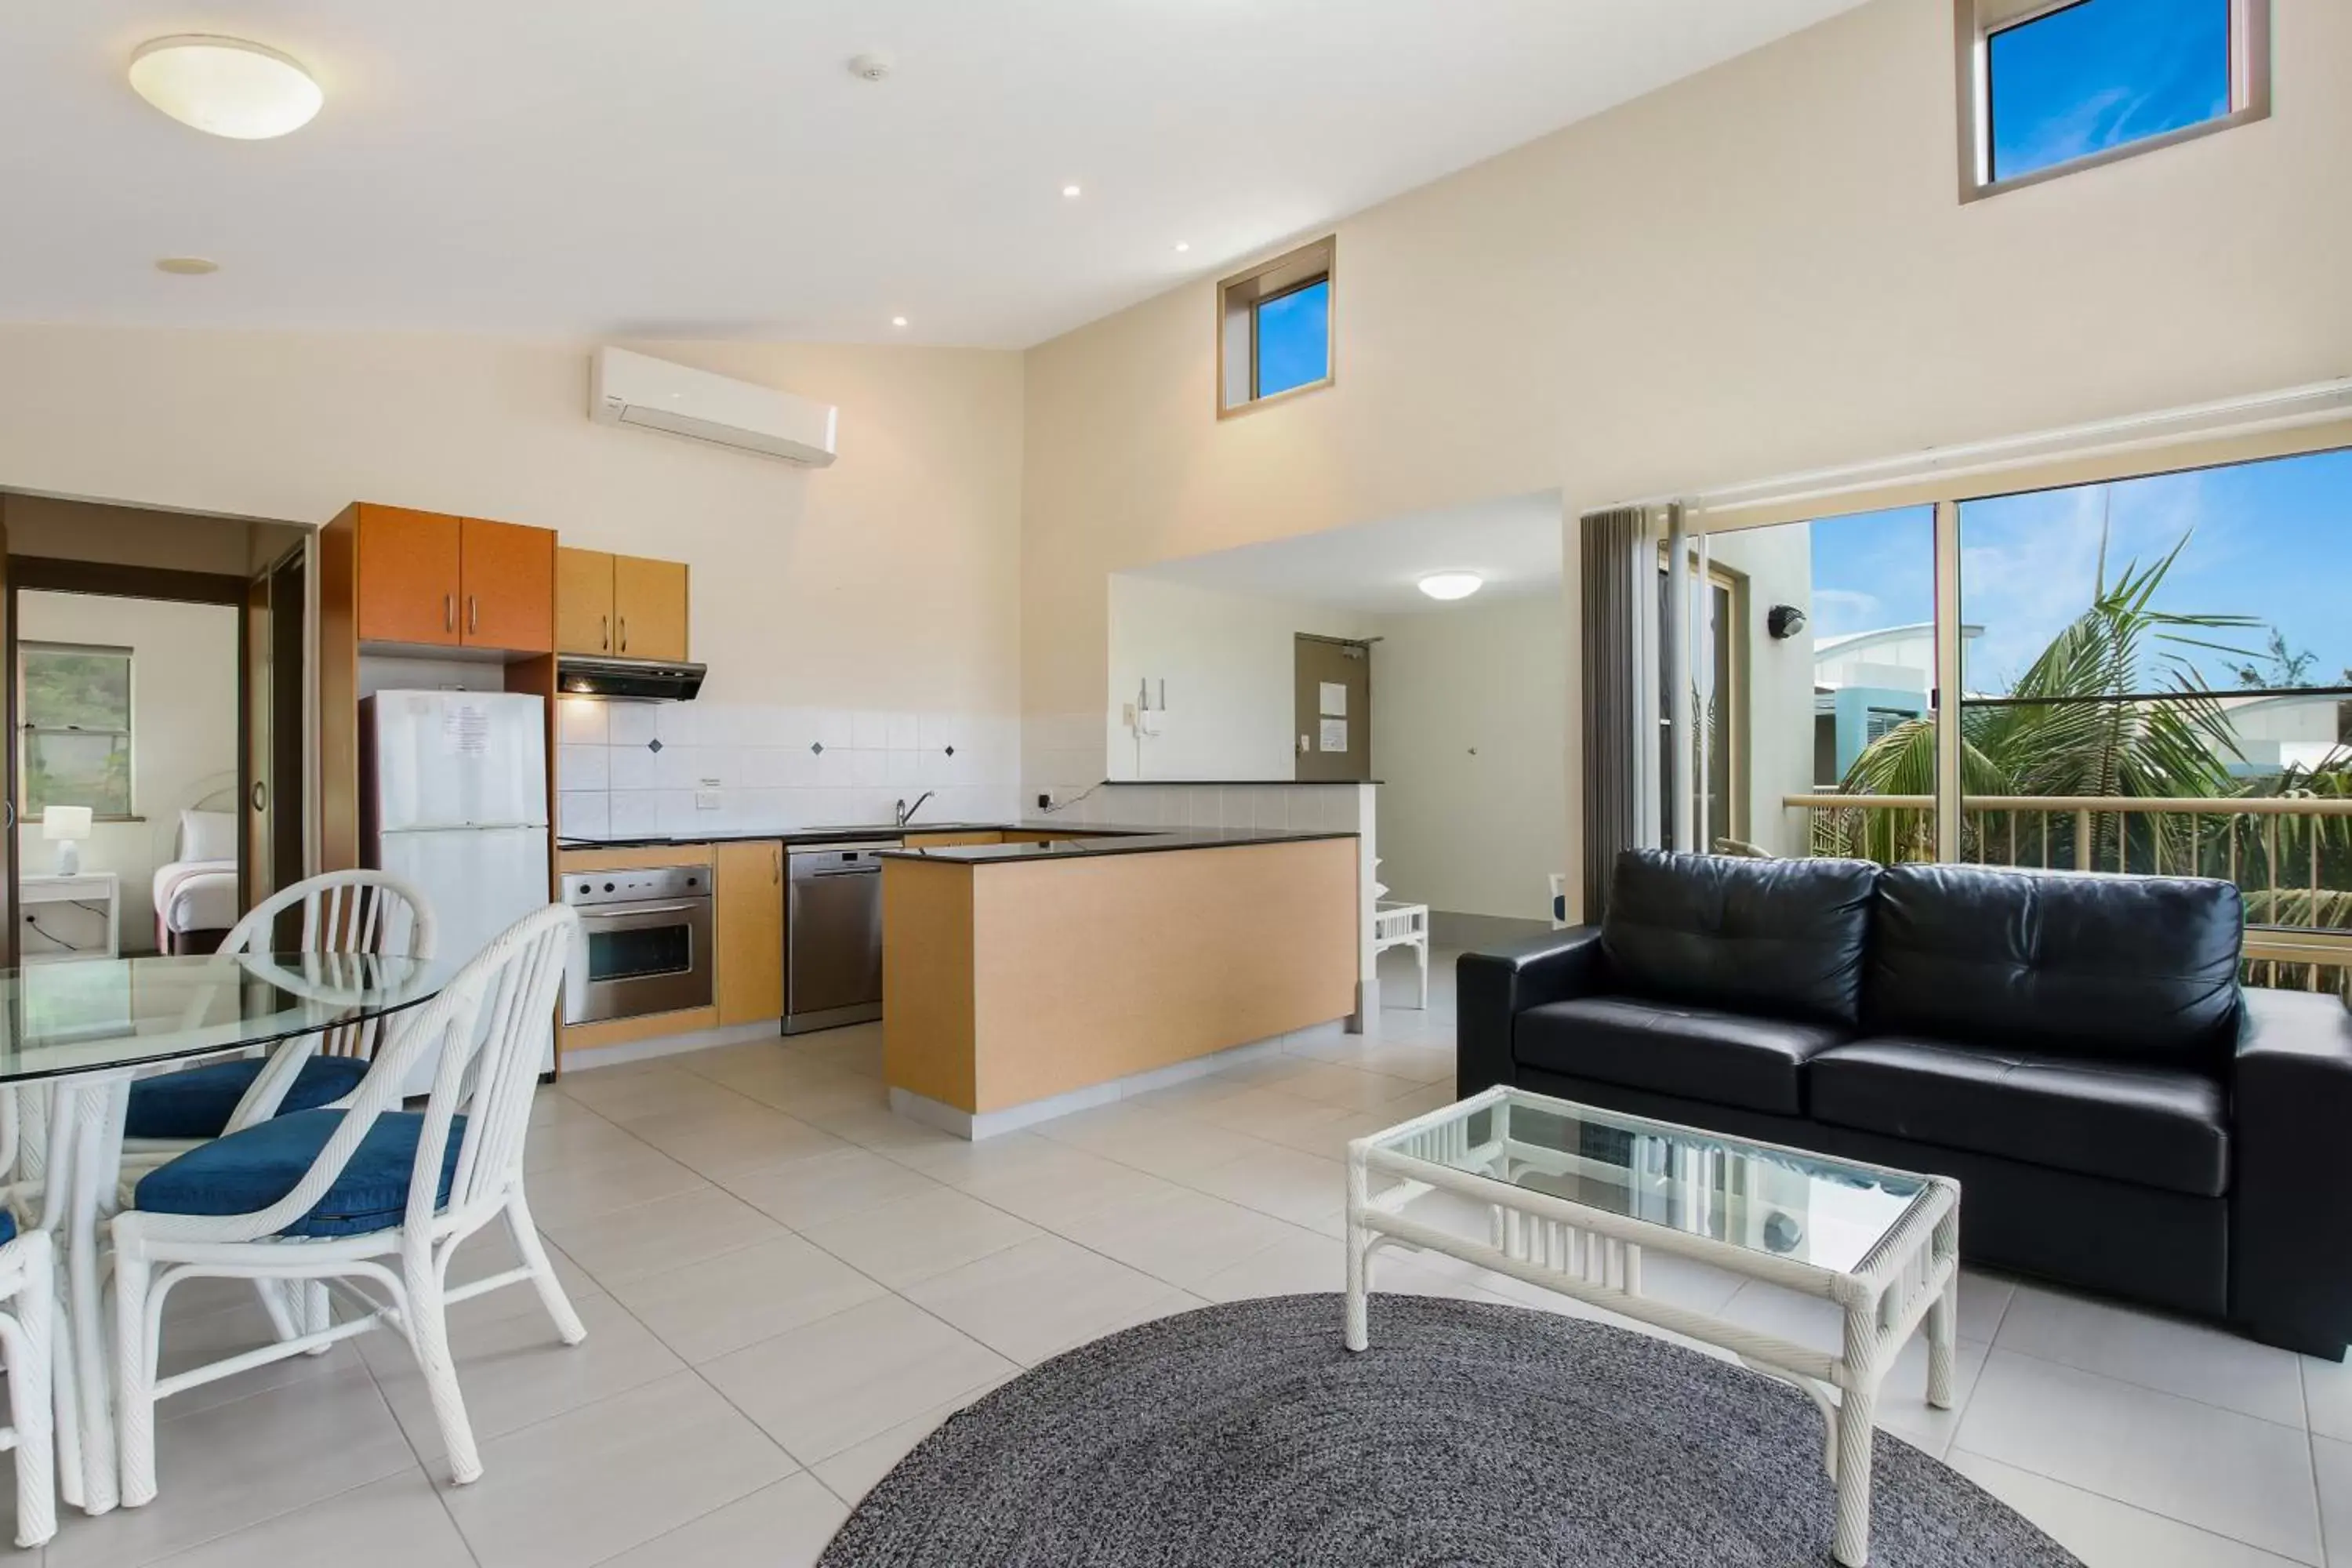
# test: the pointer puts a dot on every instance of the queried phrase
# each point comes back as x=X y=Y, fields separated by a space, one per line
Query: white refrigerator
x=453 y=798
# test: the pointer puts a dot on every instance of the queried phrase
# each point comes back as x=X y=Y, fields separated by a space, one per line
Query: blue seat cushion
x=7 y=1227
x=249 y=1169
x=198 y=1102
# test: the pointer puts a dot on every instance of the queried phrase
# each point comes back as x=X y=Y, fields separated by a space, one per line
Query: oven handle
x=629 y=911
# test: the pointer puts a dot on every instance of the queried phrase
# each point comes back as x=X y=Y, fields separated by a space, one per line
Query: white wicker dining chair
x=339 y=911
x=366 y=1196
x=28 y=1296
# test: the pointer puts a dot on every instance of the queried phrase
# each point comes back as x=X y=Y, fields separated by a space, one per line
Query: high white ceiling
x=710 y=168
x=1514 y=544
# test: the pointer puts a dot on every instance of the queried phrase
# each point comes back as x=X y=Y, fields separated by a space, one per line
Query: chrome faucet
x=907 y=812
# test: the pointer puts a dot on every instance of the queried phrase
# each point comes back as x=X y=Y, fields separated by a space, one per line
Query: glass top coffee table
x=1575 y=1195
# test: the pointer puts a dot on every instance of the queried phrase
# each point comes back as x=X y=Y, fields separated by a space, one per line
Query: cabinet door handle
x=473 y=614
x=604 y=633
x=625 y=634
x=260 y=794
x=776 y=866
x=448 y=612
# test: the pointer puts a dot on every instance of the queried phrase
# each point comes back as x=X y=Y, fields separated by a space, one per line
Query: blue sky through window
x=2272 y=540
x=1294 y=339
x=2102 y=73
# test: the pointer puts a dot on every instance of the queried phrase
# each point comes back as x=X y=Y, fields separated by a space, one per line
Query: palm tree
x=2069 y=726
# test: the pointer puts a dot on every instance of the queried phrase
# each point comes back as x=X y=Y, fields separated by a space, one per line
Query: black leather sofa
x=2075 y=1050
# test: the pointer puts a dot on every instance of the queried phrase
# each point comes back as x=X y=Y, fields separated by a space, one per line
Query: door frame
x=107 y=579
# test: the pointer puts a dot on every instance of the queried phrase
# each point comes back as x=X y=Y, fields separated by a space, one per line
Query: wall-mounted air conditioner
x=627 y=388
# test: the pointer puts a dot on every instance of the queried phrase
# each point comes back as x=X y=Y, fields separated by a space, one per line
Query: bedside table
x=69 y=917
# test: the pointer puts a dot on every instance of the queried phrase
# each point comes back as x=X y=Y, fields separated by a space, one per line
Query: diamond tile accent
x=654 y=745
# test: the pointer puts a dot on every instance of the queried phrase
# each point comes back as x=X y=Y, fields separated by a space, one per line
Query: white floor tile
x=599 y=1480
x=513 y=1369
x=2106 y=1533
x=749 y=1138
x=238 y=1465
x=785 y=1525
x=853 y=1472
x=826 y=1186
x=819 y=1389
x=913 y=1238
x=2230 y=1473
x=1305 y=1189
x=1040 y=1298
x=656 y=1238
x=396 y=1522
x=2327 y=1396
x=1182 y=1238
x=2331 y=1463
x=721 y=1304
x=2192 y=1360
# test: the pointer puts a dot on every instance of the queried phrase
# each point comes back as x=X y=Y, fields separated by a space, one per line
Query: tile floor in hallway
x=786 y=1287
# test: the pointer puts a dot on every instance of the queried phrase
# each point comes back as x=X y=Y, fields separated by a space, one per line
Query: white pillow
x=208 y=836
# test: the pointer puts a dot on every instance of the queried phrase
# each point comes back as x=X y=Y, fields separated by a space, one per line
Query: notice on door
x=1334 y=703
x=1335 y=735
x=465 y=729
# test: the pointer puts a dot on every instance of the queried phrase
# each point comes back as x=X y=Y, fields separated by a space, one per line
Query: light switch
x=706 y=800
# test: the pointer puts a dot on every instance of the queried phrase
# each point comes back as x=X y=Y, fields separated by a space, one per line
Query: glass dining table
x=74 y=1033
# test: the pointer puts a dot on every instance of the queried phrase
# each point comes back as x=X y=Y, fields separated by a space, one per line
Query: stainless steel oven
x=644 y=944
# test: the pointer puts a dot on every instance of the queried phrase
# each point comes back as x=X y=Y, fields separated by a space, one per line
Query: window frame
x=1975 y=21
x=1239 y=299
x=27 y=728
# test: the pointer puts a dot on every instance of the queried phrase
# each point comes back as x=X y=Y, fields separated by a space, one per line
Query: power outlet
x=706 y=800
x=1045 y=800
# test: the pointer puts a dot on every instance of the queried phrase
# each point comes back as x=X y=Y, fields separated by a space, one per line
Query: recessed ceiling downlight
x=1451 y=585
x=226 y=86
x=187 y=265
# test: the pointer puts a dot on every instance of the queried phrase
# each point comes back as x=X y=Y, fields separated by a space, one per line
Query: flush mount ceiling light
x=1071 y=192
x=226 y=86
x=897 y=320
x=1451 y=585
x=1182 y=246
x=187 y=265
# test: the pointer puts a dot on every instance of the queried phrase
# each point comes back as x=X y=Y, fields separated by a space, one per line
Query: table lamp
x=67 y=827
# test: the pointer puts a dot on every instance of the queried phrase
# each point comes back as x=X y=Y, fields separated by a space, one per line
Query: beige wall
x=889 y=580
x=1761 y=269
x=1228 y=665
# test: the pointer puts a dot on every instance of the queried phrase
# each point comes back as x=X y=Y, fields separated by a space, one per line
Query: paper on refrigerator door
x=1335 y=735
x=1334 y=703
x=465 y=729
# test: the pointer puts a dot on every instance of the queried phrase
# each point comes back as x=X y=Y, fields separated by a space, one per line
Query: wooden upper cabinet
x=450 y=582
x=749 y=914
x=649 y=608
x=584 y=601
x=508 y=586
x=409 y=576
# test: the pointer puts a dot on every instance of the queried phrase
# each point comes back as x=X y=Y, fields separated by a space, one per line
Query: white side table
x=66 y=918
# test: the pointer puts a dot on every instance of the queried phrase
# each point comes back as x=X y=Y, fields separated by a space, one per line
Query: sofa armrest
x=1492 y=988
x=2291 y=1188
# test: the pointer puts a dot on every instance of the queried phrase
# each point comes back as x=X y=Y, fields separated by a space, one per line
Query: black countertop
x=1116 y=841
x=1085 y=840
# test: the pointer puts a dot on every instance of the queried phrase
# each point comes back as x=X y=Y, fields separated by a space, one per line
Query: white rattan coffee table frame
x=1910 y=1277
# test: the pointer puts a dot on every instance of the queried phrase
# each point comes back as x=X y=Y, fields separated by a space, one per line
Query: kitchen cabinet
x=436 y=581
x=622 y=606
x=749 y=914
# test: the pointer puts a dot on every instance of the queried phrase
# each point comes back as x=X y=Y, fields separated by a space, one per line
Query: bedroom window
x=73 y=708
x=2049 y=87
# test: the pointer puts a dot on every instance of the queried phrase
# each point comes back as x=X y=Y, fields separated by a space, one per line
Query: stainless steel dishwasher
x=832 y=935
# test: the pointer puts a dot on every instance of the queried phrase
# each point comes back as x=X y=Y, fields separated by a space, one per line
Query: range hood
x=637 y=679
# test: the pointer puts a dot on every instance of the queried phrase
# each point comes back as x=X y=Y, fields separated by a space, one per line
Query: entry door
x=274 y=649
x=1334 y=706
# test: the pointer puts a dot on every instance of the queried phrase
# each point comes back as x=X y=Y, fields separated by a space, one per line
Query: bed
x=196 y=891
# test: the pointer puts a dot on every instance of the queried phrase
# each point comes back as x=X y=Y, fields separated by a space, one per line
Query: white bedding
x=194 y=895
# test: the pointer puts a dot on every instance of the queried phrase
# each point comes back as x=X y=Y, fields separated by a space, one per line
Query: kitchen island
x=1022 y=981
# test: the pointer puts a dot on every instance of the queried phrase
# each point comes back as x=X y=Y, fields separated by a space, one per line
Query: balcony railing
x=2291 y=855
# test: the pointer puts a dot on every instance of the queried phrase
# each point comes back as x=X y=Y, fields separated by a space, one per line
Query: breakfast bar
x=1026 y=979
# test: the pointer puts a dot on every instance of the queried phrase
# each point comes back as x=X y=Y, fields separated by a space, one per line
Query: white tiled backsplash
x=627 y=770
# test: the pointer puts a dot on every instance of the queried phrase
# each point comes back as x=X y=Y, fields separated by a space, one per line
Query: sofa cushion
x=1723 y=1058
x=1784 y=939
x=197 y=1102
x=2121 y=968
x=2153 y=1126
x=249 y=1169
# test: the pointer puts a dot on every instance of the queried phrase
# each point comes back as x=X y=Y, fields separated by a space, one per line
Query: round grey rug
x=1468 y=1435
